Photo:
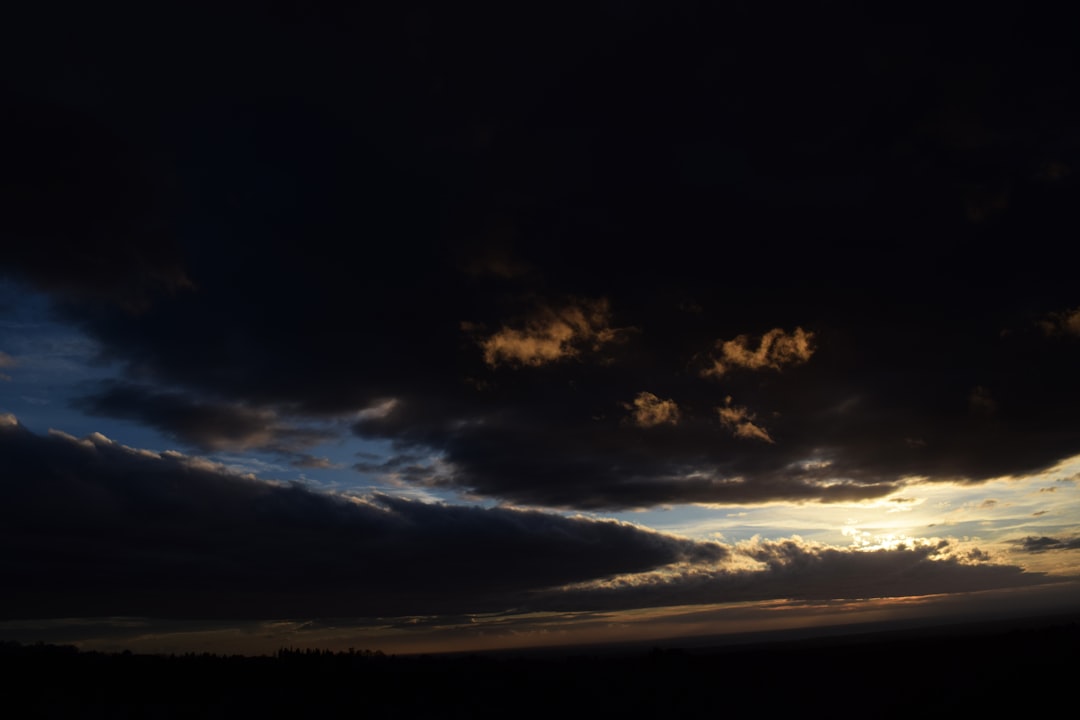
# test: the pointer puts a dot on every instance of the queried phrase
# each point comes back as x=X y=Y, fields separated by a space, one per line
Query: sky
x=431 y=329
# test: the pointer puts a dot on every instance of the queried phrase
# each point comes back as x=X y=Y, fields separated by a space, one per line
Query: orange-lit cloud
x=760 y=569
x=649 y=411
x=775 y=350
x=552 y=334
x=741 y=422
x=1062 y=323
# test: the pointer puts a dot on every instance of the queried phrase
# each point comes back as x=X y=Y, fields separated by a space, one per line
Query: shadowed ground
x=931 y=673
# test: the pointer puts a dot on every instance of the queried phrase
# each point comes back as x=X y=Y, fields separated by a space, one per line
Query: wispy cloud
x=741 y=422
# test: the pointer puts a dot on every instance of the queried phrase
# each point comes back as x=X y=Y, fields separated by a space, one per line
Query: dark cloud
x=6 y=361
x=797 y=570
x=311 y=462
x=545 y=455
x=1038 y=544
x=85 y=214
x=97 y=528
x=308 y=230
x=204 y=424
x=92 y=527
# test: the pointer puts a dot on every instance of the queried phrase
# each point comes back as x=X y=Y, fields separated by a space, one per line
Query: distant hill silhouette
x=929 y=673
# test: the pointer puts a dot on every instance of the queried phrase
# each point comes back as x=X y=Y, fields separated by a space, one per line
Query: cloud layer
x=798 y=570
x=93 y=527
x=96 y=528
x=513 y=251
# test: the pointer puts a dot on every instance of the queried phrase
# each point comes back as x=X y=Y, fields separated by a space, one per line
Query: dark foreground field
x=942 y=673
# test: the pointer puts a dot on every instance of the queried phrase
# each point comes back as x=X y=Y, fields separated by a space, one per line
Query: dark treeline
x=880 y=675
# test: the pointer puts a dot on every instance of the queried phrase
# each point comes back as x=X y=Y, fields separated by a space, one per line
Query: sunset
x=430 y=331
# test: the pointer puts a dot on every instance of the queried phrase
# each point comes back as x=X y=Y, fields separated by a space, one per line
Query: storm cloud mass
x=514 y=267
x=643 y=256
x=99 y=528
